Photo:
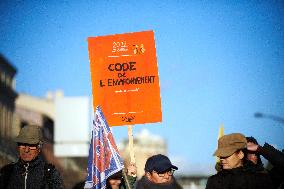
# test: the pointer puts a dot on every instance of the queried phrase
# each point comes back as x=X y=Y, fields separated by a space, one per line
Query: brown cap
x=229 y=144
x=30 y=134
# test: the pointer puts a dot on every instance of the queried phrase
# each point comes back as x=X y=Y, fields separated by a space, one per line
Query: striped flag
x=104 y=158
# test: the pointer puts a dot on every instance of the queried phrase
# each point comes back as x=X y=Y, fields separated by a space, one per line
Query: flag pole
x=220 y=134
x=131 y=151
x=130 y=143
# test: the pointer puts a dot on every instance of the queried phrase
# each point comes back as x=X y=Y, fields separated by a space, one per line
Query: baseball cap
x=159 y=163
x=30 y=134
x=229 y=144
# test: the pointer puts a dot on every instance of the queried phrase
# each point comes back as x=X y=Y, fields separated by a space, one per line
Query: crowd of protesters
x=240 y=167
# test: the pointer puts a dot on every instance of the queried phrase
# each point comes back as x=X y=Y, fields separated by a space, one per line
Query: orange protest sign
x=125 y=81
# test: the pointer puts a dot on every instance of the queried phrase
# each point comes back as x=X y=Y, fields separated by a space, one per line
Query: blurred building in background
x=193 y=181
x=8 y=96
x=66 y=123
x=59 y=117
x=145 y=145
x=72 y=117
x=35 y=110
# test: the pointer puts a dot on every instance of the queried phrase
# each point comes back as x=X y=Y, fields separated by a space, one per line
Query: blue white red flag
x=104 y=158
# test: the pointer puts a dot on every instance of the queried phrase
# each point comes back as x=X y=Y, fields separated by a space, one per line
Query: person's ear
x=241 y=154
x=148 y=175
x=40 y=146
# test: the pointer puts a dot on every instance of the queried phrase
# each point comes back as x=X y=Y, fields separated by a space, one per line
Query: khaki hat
x=229 y=144
x=30 y=134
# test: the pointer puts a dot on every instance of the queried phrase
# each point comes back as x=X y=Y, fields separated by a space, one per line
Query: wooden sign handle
x=130 y=139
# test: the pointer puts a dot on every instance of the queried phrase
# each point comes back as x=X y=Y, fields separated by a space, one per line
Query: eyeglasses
x=168 y=172
x=30 y=146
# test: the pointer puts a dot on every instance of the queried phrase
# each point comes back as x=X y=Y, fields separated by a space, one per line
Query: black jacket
x=250 y=166
x=273 y=155
x=239 y=178
x=276 y=158
x=144 y=183
x=36 y=175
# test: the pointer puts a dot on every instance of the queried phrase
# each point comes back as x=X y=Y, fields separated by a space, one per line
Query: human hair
x=116 y=176
x=253 y=140
x=244 y=152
